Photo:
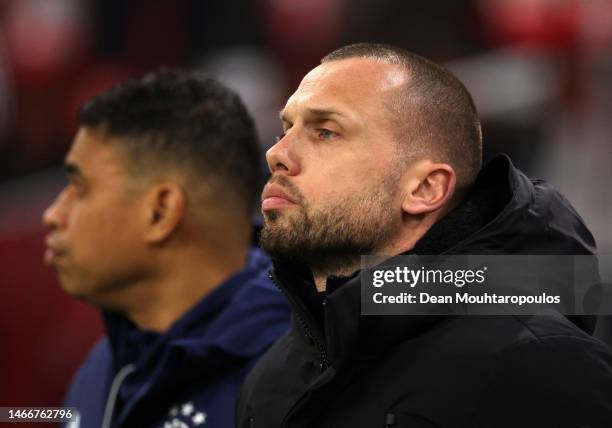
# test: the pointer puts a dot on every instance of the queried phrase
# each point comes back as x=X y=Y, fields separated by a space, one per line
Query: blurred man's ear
x=429 y=187
x=165 y=206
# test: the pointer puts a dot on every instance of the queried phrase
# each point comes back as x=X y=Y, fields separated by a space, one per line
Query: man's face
x=334 y=189
x=93 y=225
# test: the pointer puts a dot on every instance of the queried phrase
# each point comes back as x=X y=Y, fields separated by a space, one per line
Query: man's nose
x=55 y=215
x=282 y=158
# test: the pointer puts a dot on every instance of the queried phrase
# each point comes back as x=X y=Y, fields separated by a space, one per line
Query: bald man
x=381 y=155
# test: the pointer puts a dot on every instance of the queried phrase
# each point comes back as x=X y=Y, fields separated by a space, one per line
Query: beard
x=331 y=238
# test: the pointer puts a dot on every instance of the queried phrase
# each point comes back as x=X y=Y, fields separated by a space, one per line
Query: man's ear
x=429 y=188
x=165 y=208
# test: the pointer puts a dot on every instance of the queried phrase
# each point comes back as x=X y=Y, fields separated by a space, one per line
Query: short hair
x=187 y=121
x=435 y=113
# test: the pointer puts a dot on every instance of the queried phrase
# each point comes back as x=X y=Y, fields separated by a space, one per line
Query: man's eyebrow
x=316 y=112
x=323 y=112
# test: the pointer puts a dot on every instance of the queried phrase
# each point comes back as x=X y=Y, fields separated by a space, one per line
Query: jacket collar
x=197 y=330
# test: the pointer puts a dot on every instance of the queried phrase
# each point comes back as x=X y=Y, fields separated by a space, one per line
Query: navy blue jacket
x=188 y=376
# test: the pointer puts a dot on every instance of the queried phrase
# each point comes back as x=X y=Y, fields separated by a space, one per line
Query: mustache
x=288 y=186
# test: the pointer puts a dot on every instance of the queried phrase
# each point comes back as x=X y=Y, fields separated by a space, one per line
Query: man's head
x=158 y=165
x=378 y=144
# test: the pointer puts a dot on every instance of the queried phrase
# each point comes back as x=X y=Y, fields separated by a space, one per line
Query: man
x=381 y=155
x=154 y=228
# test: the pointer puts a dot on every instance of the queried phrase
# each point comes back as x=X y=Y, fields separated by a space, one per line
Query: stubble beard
x=331 y=239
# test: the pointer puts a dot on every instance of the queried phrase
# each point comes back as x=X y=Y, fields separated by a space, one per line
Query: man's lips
x=274 y=197
x=53 y=251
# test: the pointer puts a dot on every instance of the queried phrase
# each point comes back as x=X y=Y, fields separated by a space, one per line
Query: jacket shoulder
x=90 y=385
x=95 y=370
x=507 y=371
x=558 y=379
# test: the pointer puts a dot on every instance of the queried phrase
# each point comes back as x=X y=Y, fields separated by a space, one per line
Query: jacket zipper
x=389 y=420
x=309 y=333
x=111 y=401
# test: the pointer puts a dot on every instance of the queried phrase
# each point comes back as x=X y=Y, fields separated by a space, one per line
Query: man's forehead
x=90 y=151
x=355 y=80
x=360 y=72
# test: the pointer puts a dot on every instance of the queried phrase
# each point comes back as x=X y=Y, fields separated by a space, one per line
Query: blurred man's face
x=93 y=238
x=334 y=188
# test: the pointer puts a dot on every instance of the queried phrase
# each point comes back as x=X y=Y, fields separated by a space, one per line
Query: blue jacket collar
x=203 y=327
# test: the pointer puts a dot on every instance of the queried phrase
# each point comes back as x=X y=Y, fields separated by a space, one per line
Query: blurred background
x=540 y=72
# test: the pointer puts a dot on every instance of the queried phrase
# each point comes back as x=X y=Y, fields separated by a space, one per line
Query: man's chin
x=71 y=286
x=277 y=216
x=72 y=289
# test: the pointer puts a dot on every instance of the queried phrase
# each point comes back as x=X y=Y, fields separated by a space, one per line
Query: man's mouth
x=53 y=252
x=274 y=197
x=50 y=256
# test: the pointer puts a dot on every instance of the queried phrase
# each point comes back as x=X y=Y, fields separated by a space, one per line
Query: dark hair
x=435 y=112
x=183 y=120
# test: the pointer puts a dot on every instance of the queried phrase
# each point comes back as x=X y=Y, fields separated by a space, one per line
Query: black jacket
x=337 y=368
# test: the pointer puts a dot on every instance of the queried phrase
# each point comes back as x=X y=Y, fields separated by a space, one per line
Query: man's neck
x=159 y=303
x=320 y=276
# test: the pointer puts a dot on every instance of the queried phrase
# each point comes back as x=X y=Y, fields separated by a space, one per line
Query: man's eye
x=280 y=137
x=326 y=134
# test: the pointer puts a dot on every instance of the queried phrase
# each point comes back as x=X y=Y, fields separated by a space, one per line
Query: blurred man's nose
x=55 y=215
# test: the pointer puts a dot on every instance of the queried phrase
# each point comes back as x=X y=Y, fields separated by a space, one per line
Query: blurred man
x=381 y=154
x=154 y=228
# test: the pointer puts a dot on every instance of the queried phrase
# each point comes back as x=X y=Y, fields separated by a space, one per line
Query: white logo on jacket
x=185 y=416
